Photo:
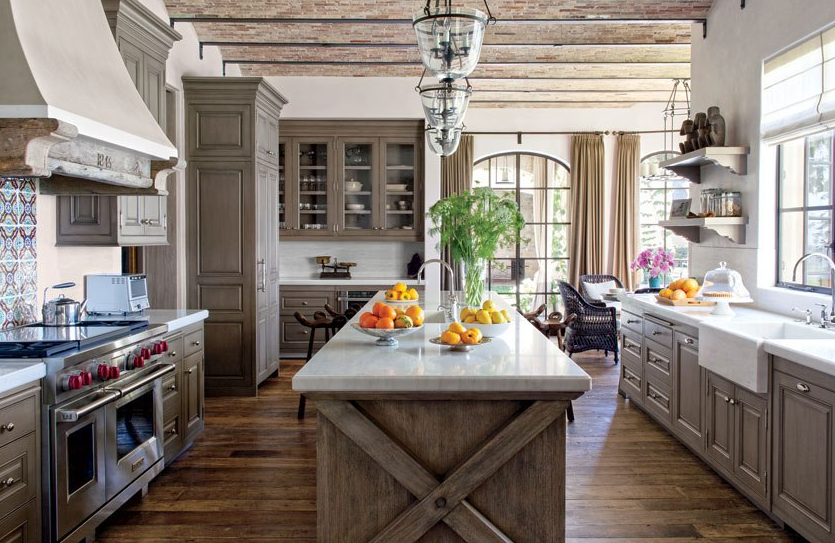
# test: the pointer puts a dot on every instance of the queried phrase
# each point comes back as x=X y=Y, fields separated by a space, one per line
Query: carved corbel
x=25 y=145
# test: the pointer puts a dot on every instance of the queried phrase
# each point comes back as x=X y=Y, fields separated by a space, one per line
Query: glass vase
x=655 y=282
x=474 y=282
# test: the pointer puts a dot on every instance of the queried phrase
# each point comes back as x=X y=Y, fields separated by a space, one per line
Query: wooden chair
x=593 y=327
x=320 y=321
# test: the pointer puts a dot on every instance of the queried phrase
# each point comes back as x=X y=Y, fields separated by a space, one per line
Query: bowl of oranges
x=460 y=339
x=387 y=323
x=680 y=292
x=491 y=321
x=401 y=294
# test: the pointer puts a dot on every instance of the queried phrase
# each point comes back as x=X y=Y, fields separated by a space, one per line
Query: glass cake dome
x=723 y=282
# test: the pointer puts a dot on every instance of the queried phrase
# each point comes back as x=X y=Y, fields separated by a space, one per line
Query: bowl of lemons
x=401 y=294
x=492 y=321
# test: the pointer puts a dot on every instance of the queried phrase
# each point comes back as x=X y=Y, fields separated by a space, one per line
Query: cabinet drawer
x=631 y=344
x=171 y=394
x=18 y=465
x=657 y=400
x=172 y=440
x=293 y=332
x=305 y=300
x=632 y=321
x=658 y=332
x=630 y=383
x=658 y=365
x=193 y=342
x=18 y=416
x=22 y=526
x=175 y=348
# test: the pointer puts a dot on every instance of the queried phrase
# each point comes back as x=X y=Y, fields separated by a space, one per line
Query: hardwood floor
x=252 y=478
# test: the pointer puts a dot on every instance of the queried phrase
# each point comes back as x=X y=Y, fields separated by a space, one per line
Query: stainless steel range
x=102 y=417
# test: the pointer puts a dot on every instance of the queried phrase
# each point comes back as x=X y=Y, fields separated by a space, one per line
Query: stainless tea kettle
x=62 y=311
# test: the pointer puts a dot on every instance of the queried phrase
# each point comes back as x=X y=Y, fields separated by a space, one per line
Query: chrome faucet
x=824 y=320
x=451 y=311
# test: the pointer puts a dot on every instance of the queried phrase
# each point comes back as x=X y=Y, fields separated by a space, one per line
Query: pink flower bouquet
x=655 y=262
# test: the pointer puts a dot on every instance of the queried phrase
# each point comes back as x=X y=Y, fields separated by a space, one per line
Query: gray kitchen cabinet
x=232 y=230
x=144 y=41
x=688 y=384
x=356 y=180
x=803 y=445
x=182 y=390
x=737 y=429
x=632 y=371
x=294 y=337
x=20 y=463
x=193 y=395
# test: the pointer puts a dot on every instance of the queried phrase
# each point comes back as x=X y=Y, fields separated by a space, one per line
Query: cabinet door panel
x=193 y=396
x=154 y=213
x=154 y=93
x=401 y=205
x=751 y=452
x=130 y=216
x=803 y=454
x=132 y=57
x=720 y=421
x=688 y=376
x=358 y=191
x=87 y=220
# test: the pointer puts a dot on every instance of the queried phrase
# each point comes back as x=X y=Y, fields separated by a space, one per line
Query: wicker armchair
x=593 y=328
x=596 y=279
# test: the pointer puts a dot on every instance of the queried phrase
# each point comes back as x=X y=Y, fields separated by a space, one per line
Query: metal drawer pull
x=656 y=333
x=172 y=387
x=654 y=396
x=732 y=402
x=172 y=432
x=802 y=387
x=172 y=353
x=7 y=427
x=195 y=343
x=632 y=321
x=9 y=482
x=689 y=341
x=190 y=371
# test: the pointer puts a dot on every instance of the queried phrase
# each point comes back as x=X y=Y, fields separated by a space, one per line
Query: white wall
x=726 y=71
x=57 y=264
x=395 y=98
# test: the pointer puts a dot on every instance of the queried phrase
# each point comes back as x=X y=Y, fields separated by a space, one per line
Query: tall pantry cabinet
x=232 y=231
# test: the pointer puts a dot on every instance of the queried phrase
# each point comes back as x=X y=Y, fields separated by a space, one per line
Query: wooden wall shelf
x=732 y=228
x=690 y=165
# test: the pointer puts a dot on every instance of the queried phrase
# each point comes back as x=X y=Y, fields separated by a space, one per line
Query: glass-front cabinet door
x=284 y=218
x=400 y=162
x=314 y=184
x=359 y=196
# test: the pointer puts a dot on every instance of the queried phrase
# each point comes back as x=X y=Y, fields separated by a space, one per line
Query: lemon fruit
x=403 y=321
x=497 y=318
x=413 y=294
x=679 y=295
x=465 y=312
x=450 y=338
x=505 y=314
x=392 y=295
x=483 y=317
x=489 y=306
x=470 y=319
x=399 y=287
x=457 y=327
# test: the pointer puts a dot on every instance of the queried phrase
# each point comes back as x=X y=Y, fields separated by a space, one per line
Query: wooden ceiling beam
x=501 y=22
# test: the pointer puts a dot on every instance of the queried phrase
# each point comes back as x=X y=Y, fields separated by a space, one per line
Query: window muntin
x=527 y=274
x=805 y=194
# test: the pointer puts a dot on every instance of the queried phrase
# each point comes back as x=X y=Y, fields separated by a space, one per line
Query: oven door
x=78 y=460
x=134 y=431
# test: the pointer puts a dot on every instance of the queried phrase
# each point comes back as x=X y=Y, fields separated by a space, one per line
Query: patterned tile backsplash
x=19 y=252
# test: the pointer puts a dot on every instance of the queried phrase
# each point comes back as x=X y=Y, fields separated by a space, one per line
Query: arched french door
x=527 y=273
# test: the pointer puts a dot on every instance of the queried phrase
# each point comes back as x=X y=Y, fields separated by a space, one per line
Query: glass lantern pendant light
x=445 y=105
x=442 y=141
x=450 y=39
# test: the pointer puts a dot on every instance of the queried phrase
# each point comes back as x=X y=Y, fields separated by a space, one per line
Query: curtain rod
x=599 y=133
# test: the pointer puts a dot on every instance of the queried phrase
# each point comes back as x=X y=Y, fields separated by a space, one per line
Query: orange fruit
x=387 y=312
x=399 y=287
x=692 y=293
x=385 y=323
x=416 y=314
x=457 y=327
x=450 y=338
x=472 y=336
x=690 y=285
x=665 y=293
x=679 y=294
x=368 y=320
x=376 y=309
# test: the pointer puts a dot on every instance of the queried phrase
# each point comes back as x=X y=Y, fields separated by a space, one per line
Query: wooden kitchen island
x=417 y=443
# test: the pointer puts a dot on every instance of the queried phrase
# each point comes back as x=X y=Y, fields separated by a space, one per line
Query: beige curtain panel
x=626 y=233
x=585 y=246
x=456 y=178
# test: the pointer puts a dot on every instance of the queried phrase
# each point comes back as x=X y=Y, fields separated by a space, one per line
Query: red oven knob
x=164 y=346
x=157 y=348
x=139 y=362
x=71 y=382
x=114 y=372
x=145 y=352
x=86 y=378
x=102 y=372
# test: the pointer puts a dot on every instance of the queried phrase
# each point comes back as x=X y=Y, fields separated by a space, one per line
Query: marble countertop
x=176 y=319
x=354 y=281
x=18 y=373
x=521 y=360
x=816 y=351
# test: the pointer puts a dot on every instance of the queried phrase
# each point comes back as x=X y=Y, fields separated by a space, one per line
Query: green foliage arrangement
x=474 y=225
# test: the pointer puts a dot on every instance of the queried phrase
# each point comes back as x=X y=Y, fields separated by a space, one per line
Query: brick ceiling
x=542 y=53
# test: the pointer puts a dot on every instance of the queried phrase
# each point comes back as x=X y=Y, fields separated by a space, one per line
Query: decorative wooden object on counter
x=356 y=180
x=182 y=390
x=144 y=41
x=232 y=187
x=20 y=464
x=448 y=470
x=689 y=166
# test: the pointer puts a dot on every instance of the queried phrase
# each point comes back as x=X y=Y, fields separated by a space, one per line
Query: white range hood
x=68 y=106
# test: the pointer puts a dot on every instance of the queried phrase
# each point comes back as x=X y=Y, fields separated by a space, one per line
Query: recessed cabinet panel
x=688 y=383
x=751 y=447
x=225 y=357
x=220 y=215
x=221 y=298
x=86 y=220
x=220 y=129
x=130 y=216
x=720 y=421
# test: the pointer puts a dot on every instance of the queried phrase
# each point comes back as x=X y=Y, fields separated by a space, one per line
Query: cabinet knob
x=9 y=482
x=195 y=343
x=727 y=400
x=689 y=341
x=172 y=387
x=172 y=432
x=190 y=371
x=732 y=402
x=632 y=321
x=172 y=353
x=803 y=387
x=656 y=333
x=7 y=427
